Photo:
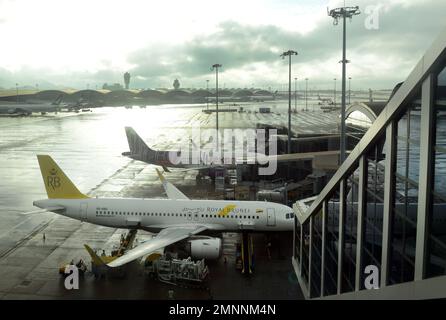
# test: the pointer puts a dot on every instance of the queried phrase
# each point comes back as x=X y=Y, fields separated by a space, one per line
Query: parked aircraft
x=28 y=108
x=174 y=219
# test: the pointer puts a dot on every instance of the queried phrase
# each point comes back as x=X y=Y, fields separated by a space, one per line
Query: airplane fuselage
x=157 y=214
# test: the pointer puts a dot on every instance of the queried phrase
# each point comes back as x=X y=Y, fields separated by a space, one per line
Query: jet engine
x=204 y=248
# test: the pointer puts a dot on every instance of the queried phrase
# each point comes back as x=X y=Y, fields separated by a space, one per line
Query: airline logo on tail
x=57 y=184
x=53 y=180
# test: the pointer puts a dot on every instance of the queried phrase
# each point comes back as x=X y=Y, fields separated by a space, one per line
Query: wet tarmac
x=88 y=147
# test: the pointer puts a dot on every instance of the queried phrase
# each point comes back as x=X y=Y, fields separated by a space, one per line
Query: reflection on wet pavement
x=88 y=147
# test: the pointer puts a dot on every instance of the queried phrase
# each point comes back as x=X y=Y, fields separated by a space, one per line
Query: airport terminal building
x=379 y=222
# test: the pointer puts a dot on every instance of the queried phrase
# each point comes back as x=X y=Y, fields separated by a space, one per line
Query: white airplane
x=175 y=219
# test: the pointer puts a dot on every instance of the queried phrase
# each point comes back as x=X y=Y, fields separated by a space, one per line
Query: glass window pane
x=373 y=215
x=316 y=255
x=350 y=236
x=331 y=245
x=405 y=206
x=436 y=250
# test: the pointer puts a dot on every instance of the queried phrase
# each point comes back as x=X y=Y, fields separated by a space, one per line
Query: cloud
x=379 y=58
x=250 y=52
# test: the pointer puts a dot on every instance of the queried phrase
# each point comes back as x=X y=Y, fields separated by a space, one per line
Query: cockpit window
x=287 y=215
x=290 y=215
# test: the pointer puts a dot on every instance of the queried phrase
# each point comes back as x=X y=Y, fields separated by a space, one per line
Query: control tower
x=126 y=80
x=176 y=84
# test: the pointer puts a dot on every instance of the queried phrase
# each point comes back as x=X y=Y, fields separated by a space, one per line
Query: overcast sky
x=75 y=43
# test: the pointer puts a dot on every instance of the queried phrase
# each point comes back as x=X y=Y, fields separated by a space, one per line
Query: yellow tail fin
x=57 y=184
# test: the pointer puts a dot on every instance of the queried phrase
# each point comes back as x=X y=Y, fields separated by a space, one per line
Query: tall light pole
x=17 y=93
x=288 y=54
x=349 y=88
x=216 y=66
x=306 y=94
x=336 y=14
x=295 y=95
x=207 y=94
x=334 y=92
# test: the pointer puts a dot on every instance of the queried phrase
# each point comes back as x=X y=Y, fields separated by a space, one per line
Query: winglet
x=96 y=259
x=171 y=191
x=160 y=175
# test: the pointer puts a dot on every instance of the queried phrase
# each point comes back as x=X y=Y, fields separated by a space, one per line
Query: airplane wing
x=164 y=238
x=262 y=158
x=171 y=191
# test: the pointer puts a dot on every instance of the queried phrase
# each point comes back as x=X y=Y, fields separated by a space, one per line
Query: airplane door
x=271 y=217
x=83 y=211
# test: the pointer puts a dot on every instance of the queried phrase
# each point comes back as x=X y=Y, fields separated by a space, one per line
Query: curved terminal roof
x=363 y=114
x=121 y=93
x=262 y=93
x=201 y=93
x=176 y=93
x=243 y=93
x=88 y=93
x=150 y=93
x=49 y=94
x=224 y=92
x=369 y=109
